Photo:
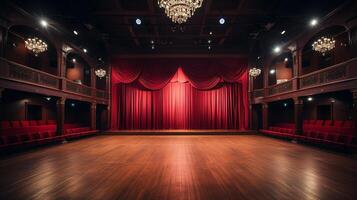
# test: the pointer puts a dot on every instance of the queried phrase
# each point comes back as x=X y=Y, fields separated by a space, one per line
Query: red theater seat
x=15 y=124
x=348 y=124
x=328 y=123
x=5 y=125
x=51 y=122
x=24 y=123
x=33 y=123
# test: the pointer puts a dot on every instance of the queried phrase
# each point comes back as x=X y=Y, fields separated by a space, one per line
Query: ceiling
x=250 y=26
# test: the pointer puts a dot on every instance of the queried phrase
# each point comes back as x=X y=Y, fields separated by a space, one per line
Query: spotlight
x=152 y=41
x=75 y=32
x=73 y=104
x=209 y=47
x=74 y=60
x=209 y=41
x=48 y=98
x=283 y=32
x=258 y=57
x=43 y=23
x=222 y=20
x=152 y=47
x=314 y=22
x=85 y=50
x=210 y=33
x=272 y=71
x=138 y=21
x=277 y=49
x=285 y=104
x=286 y=59
x=310 y=99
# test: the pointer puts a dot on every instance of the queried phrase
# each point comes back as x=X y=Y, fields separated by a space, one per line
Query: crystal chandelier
x=323 y=45
x=100 y=73
x=35 y=45
x=180 y=10
x=254 y=72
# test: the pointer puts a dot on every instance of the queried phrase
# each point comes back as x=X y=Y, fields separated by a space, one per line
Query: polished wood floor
x=178 y=167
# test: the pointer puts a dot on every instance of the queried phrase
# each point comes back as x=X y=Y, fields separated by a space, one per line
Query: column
x=265 y=113
x=61 y=67
x=354 y=96
x=60 y=115
x=93 y=115
x=251 y=126
x=298 y=115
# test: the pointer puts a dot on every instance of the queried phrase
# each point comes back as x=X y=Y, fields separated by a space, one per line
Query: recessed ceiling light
x=310 y=99
x=75 y=32
x=209 y=47
x=210 y=32
x=222 y=20
x=283 y=32
x=85 y=50
x=286 y=59
x=285 y=104
x=277 y=49
x=74 y=60
x=48 y=98
x=314 y=22
x=43 y=23
x=209 y=41
x=258 y=57
x=152 y=47
x=272 y=71
x=138 y=21
x=152 y=41
x=73 y=104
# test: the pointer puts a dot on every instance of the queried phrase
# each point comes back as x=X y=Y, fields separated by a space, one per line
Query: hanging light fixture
x=254 y=72
x=180 y=10
x=35 y=45
x=323 y=45
x=100 y=73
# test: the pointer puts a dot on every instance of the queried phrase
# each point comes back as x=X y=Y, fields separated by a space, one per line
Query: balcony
x=341 y=75
x=12 y=71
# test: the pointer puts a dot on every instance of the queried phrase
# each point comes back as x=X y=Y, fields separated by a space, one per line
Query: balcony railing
x=341 y=71
x=337 y=73
x=16 y=72
x=281 y=88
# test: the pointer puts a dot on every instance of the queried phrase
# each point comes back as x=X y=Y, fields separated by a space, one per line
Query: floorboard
x=178 y=167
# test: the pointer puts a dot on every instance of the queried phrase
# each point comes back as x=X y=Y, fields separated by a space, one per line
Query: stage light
x=43 y=23
x=75 y=32
x=286 y=59
x=285 y=104
x=209 y=41
x=138 y=21
x=283 y=32
x=210 y=33
x=314 y=22
x=272 y=71
x=222 y=20
x=85 y=50
x=209 y=47
x=73 y=104
x=74 y=60
x=310 y=99
x=277 y=49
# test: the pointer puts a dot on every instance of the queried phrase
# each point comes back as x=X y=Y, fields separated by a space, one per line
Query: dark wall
x=281 y=112
x=13 y=106
x=341 y=106
x=77 y=112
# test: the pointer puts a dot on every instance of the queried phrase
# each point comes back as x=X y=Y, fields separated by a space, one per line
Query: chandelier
x=323 y=45
x=35 y=45
x=100 y=73
x=254 y=72
x=180 y=10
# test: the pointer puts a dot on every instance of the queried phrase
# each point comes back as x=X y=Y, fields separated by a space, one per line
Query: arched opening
x=281 y=69
x=16 y=51
x=313 y=60
x=77 y=69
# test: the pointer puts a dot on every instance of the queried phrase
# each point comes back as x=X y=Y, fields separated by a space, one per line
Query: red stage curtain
x=191 y=94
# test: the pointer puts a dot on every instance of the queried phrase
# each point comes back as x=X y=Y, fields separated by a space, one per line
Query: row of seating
x=25 y=123
x=9 y=141
x=316 y=137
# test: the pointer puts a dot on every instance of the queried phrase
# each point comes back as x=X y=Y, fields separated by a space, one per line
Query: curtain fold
x=179 y=94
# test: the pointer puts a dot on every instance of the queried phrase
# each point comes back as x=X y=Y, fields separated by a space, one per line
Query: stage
x=181 y=132
x=178 y=167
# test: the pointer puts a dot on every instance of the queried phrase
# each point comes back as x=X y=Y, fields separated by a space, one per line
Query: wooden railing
x=258 y=93
x=16 y=72
x=337 y=73
x=334 y=73
x=281 y=88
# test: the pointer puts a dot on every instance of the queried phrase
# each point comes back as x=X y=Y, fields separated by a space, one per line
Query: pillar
x=354 y=96
x=93 y=115
x=61 y=67
x=60 y=115
x=265 y=115
x=298 y=115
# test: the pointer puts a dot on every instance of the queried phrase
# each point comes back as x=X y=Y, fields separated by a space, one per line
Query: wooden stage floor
x=178 y=167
